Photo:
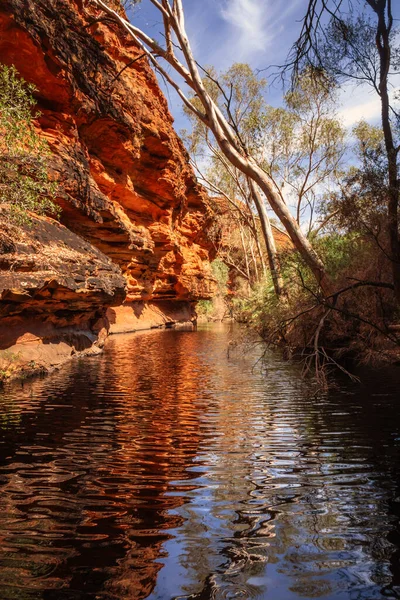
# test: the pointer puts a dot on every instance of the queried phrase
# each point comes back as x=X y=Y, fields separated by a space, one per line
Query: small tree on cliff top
x=24 y=181
x=224 y=129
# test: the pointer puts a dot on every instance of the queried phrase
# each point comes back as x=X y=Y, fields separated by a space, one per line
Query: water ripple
x=164 y=469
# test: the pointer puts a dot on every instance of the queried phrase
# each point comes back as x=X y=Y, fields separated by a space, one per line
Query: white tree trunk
x=212 y=117
x=272 y=254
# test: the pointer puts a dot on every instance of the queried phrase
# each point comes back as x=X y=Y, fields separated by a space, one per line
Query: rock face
x=125 y=184
x=56 y=289
x=125 y=180
x=48 y=269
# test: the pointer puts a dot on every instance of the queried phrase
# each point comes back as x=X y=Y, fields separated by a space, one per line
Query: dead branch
x=127 y=67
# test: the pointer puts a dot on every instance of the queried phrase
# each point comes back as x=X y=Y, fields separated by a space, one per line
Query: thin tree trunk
x=259 y=249
x=272 y=254
x=246 y=258
x=383 y=46
x=227 y=138
x=248 y=167
x=251 y=242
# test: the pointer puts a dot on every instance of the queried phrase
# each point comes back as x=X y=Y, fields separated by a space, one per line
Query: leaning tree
x=177 y=53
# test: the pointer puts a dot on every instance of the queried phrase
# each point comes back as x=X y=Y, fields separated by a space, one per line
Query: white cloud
x=367 y=111
x=361 y=104
x=248 y=17
x=255 y=24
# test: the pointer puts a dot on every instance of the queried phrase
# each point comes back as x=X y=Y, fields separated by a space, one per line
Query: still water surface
x=165 y=469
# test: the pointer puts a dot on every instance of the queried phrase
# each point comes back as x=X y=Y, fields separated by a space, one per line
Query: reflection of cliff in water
x=165 y=469
x=86 y=457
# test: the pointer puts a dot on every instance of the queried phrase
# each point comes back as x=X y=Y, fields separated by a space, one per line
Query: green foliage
x=215 y=308
x=257 y=308
x=264 y=312
x=244 y=101
x=369 y=141
x=221 y=274
x=359 y=204
x=304 y=144
x=204 y=308
x=239 y=92
x=337 y=251
x=349 y=50
x=24 y=180
x=300 y=145
x=8 y=361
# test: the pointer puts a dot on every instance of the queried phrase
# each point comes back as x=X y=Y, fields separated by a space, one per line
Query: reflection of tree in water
x=229 y=525
x=165 y=453
x=393 y=586
x=342 y=542
x=304 y=493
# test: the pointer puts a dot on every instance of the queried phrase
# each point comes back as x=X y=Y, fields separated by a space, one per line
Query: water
x=165 y=469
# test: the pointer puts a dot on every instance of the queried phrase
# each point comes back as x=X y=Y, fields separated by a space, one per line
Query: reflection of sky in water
x=164 y=469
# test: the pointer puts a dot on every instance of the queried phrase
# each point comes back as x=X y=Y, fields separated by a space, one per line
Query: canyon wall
x=130 y=201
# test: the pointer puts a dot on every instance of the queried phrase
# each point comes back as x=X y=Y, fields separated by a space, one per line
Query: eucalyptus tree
x=300 y=145
x=359 y=203
x=233 y=206
x=245 y=110
x=352 y=44
x=177 y=53
x=304 y=145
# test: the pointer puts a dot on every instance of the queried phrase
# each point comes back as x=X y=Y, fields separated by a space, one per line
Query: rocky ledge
x=55 y=290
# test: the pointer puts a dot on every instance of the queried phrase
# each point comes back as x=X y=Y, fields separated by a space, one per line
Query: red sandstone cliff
x=127 y=186
x=56 y=289
x=125 y=183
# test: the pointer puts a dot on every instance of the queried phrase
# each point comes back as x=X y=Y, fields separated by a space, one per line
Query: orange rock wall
x=55 y=289
x=125 y=182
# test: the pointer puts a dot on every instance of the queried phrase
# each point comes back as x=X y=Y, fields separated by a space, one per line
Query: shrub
x=204 y=308
x=221 y=274
x=24 y=179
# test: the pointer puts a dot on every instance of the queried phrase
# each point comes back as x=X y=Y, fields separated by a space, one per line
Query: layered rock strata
x=56 y=289
x=125 y=184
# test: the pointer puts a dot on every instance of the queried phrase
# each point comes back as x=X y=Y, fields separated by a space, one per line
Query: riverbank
x=32 y=347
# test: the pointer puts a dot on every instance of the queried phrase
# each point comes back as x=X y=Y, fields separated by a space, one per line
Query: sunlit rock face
x=125 y=184
x=55 y=290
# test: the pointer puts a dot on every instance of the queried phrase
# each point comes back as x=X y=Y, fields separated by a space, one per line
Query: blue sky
x=259 y=32
x=222 y=32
